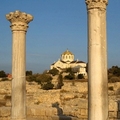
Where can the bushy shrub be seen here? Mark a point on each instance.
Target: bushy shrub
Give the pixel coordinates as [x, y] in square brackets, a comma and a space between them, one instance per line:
[110, 76]
[80, 76]
[115, 70]
[47, 86]
[5, 79]
[114, 79]
[28, 73]
[54, 71]
[2, 74]
[60, 81]
[43, 79]
[31, 78]
[70, 76]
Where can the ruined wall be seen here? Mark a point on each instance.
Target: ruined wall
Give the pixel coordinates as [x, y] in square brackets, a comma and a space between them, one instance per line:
[70, 101]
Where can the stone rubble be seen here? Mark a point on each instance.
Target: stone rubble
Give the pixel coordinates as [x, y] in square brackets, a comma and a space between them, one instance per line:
[70, 102]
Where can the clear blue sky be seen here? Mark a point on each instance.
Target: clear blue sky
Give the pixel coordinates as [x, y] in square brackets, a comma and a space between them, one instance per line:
[58, 25]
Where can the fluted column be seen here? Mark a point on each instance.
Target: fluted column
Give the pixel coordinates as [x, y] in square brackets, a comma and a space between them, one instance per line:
[19, 24]
[97, 60]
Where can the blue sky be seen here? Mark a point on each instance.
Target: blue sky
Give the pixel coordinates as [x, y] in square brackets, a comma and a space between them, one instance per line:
[58, 25]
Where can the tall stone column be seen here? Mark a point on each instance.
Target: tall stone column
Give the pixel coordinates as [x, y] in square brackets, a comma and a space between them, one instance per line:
[97, 60]
[19, 24]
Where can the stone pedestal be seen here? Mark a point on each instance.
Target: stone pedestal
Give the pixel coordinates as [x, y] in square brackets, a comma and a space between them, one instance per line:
[19, 24]
[97, 60]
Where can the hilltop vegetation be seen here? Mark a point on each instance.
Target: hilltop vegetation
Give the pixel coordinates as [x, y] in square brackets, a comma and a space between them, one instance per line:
[114, 74]
[45, 79]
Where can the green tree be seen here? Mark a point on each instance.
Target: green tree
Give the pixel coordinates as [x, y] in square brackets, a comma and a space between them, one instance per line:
[32, 78]
[87, 67]
[80, 76]
[54, 71]
[69, 70]
[70, 75]
[47, 86]
[2, 74]
[114, 70]
[60, 81]
[28, 73]
[45, 81]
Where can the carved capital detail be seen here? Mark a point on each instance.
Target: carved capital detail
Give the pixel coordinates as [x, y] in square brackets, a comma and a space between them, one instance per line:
[100, 4]
[19, 20]
[19, 26]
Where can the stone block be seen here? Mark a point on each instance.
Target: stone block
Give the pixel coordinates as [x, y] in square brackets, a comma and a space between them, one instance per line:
[40, 111]
[77, 113]
[110, 92]
[113, 105]
[54, 111]
[112, 114]
[82, 117]
[2, 97]
[118, 115]
[83, 103]
[8, 103]
[84, 112]
[83, 87]
[29, 112]
[5, 111]
[49, 112]
[36, 111]
[4, 118]
[116, 86]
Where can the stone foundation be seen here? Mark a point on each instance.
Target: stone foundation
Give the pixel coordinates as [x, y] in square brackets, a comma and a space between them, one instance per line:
[68, 103]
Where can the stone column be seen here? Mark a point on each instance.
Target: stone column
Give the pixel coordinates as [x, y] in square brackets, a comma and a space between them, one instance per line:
[19, 24]
[97, 60]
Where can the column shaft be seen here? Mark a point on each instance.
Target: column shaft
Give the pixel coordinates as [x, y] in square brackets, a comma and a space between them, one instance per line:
[97, 60]
[97, 67]
[19, 24]
[18, 74]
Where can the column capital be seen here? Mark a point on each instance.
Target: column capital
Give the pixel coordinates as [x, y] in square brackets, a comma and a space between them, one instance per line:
[100, 4]
[19, 20]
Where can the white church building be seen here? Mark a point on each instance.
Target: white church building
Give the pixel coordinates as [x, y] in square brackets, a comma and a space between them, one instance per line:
[67, 61]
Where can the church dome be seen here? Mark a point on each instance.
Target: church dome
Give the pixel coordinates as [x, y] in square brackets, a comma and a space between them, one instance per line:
[67, 56]
[67, 52]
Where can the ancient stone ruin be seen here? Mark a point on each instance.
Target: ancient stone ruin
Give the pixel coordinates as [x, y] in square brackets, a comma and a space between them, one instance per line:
[68, 103]
[19, 24]
[73, 102]
[97, 60]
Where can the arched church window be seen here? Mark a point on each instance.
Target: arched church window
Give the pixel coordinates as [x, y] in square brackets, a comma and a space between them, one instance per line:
[72, 57]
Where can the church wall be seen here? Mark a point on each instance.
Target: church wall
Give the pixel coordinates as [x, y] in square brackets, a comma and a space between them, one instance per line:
[66, 58]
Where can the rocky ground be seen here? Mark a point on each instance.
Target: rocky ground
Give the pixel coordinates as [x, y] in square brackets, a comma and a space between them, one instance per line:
[70, 101]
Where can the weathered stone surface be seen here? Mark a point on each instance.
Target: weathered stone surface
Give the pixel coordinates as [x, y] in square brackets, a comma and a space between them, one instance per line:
[84, 112]
[113, 105]
[80, 87]
[5, 111]
[112, 114]
[38, 110]
[99, 4]
[97, 60]
[58, 102]
[19, 24]
[19, 20]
